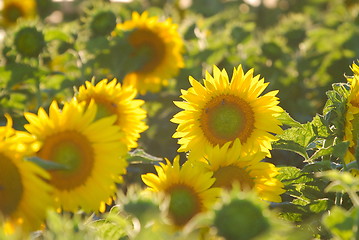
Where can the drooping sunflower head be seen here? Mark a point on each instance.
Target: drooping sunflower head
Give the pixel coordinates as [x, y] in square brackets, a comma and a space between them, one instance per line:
[188, 188]
[89, 151]
[163, 47]
[113, 99]
[15, 9]
[20, 181]
[352, 115]
[224, 110]
[230, 168]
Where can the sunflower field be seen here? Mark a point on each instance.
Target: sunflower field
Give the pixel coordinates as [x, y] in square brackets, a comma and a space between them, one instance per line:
[179, 119]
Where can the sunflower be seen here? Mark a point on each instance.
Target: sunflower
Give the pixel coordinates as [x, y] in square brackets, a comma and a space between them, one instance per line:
[112, 99]
[230, 167]
[15, 9]
[164, 45]
[20, 181]
[188, 188]
[89, 151]
[222, 111]
[355, 69]
[351, 132]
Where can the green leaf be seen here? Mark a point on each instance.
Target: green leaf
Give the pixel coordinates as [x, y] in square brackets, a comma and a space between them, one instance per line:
[345, 178]
[319, 127]
[113, 226]
[47, 165]
[286, 119]
[296, 139]
[335, 108]
[19, 72]
[318, 166]
[342, 224]
[337, 150]
[293, 175]
[289, 145]
[140, 156]
[320, 205]
[340, 149]
[56, 34]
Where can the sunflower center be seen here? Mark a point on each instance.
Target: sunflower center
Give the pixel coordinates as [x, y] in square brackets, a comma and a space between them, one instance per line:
[74, 151]
[11, 188]
[226, 118]
[184, 204]
[149, 46]
[228, 175]
[13, 12]
[105, 108]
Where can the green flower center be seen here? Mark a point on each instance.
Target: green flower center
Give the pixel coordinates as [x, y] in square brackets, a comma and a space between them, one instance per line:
[149, 49]
[74, 151]
[11, 187]
[105, 108]
[184, 204]
[227, 176]
[226, 118]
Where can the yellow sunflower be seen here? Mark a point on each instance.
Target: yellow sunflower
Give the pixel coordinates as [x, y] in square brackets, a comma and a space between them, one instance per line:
[20, 181]
[164, 45]
[15, 9]
[88, 149]
[112, 99]
[229, 167]
[223, 110]
[188, 188]
[355, 69]
[351, 133]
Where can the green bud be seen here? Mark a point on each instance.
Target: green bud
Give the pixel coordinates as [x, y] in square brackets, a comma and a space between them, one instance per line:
[143, 209]
[103, 23]
[240, 219]
[183, 205]
[29, 42]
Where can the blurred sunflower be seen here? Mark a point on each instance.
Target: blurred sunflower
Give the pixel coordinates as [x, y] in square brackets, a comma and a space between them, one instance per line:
[20, 181]
[222, 111]
[188, 189]
[15, 9]
[89, 151]
[112, 99]
[163, 46]
[355, 69]
[351, 132]
[229, 167]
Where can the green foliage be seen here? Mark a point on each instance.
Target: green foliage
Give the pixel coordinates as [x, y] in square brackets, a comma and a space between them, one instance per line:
[342, 224]
[67, 226]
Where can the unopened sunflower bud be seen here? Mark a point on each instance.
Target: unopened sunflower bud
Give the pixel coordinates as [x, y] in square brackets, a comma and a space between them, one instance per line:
[29, 42]
[240, 219]
[103, 23]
